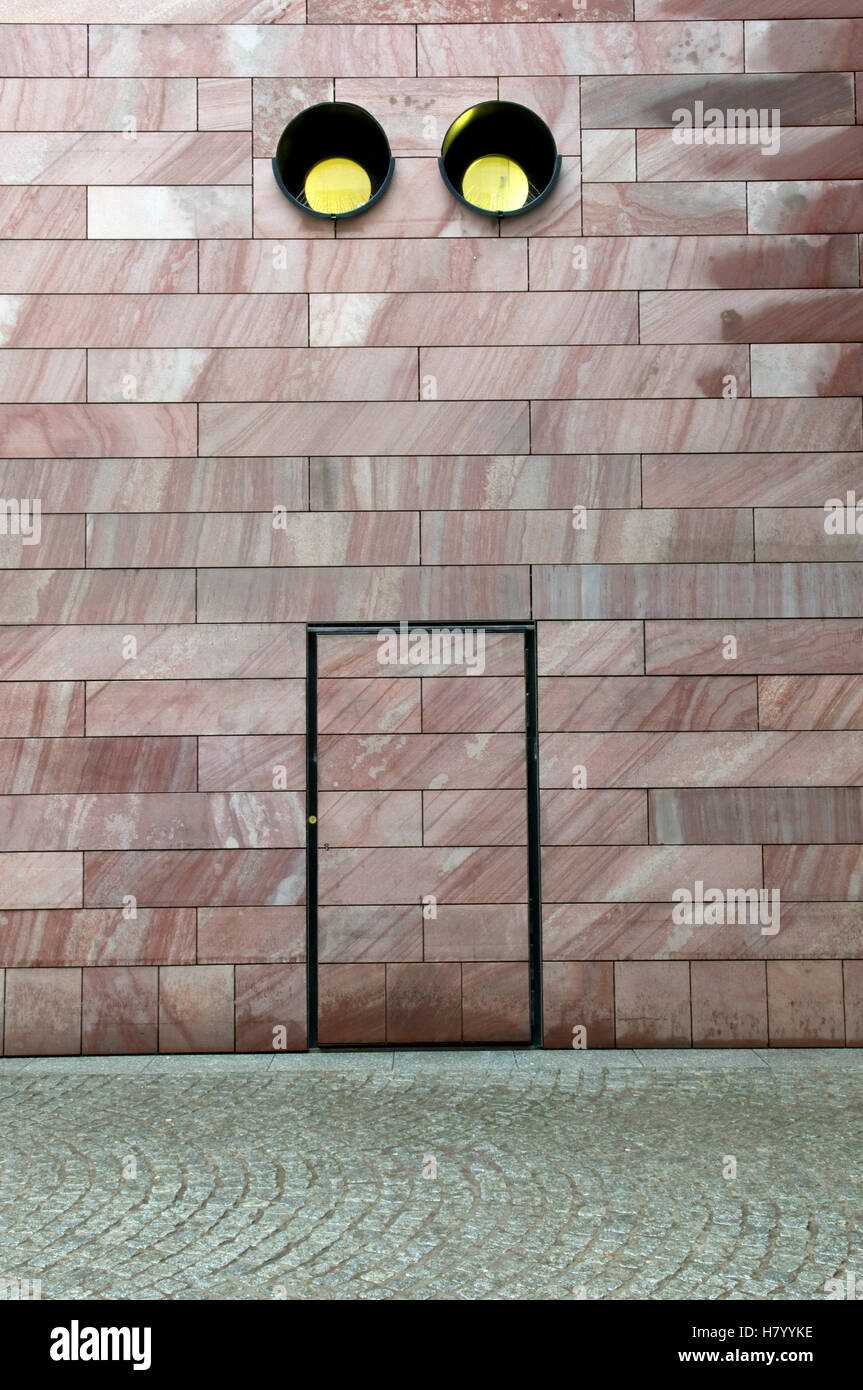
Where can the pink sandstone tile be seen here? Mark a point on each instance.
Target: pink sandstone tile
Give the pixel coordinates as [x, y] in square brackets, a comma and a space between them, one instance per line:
[42, 212]
[476, 319]
[758, 815]
[271, 1008]
[764, 646]
[169, 211]
[60, 543]
[416, 112]
[171, 12]
[465, 704]
[248, 762]
[346, 656]
[462, 11]
[729, 1004]
[403, 762]
[807, 369]
[651, 1004]
[251, 935]
[223, 374]
[370, 818]
[581, 703]
[120, 1010]
[562, 49]
[196, 1008]
[695, 591]
[79, 267]
[423, 1003]
[224, 103]
[86, 596]
[352, 1005]
[368, 705]
[250, 50]
[692, 262]
[611, 537]
[832, 152]
[815, 205]
[34, 431]
[43, 50]
[191, 878]
[153, 157]
[451, 875]
[364, 934]
[487, 932]
[576, 995]
[752, 316]
[414, 264]
[608, 156]
[159, 485]
[495, 1002]
[656, 209]
[42, 376]
[497, 817]
[638, 873]
[502, 373]
[804, 98]
[96, 765]
[805, 1003]
[40, 880]
[747, 480]
[99, 104]
[741, 9]
[43, 1013]
[146, 321]
[363, 427]
[697, 426]
[645, 931]
[828, 873]
[429, 593]
[199, 707]
[250, 538]
[93, 937]
[590, 817]
[795, 533]
[852, 973]
[599, 649]
[164, 652]
[493, 482]
[275, 103]
[810, 702]
[43, 709]
[804, 45]
[766, 759]
[180, 821]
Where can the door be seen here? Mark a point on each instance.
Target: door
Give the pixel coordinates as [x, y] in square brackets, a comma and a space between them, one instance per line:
[422, 921]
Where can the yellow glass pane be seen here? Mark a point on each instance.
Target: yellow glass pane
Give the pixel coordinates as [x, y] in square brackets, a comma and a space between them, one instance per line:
[495, 183]
[337, 185]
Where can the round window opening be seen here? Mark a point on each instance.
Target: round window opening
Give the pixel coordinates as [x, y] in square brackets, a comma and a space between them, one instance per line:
[333, 160]
[499, 158]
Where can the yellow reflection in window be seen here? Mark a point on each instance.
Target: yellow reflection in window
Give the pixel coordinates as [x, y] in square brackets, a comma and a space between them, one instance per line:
[337, 185]
[495, 183]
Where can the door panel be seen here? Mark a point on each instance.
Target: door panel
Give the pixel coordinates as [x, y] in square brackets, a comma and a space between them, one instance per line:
[423, 923]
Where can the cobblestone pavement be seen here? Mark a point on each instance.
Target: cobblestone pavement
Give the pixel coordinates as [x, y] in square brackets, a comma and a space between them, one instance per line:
[558, 1175]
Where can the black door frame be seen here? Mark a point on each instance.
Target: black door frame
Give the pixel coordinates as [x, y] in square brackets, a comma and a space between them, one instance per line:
[313, 631]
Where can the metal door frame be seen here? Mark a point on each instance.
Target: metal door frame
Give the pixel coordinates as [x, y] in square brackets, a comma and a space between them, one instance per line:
[534, 892]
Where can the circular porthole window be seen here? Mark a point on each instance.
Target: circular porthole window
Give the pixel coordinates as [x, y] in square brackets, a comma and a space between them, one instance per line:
[499, 158]
[333, 160]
